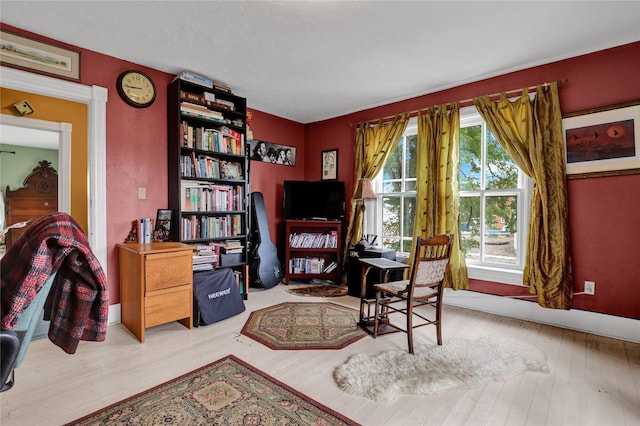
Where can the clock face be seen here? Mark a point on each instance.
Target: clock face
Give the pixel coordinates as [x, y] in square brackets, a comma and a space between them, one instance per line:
[136, 89]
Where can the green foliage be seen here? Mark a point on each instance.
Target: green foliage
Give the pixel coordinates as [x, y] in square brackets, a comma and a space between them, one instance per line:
[500, 173]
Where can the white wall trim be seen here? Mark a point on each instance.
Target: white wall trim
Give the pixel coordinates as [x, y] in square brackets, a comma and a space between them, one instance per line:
[115, 314]
[95, 98]
[589, 322]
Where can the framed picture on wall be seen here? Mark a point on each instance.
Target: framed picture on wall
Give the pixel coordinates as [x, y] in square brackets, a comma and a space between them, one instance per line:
[269, 152]
[603, 141]
[23, 52]
[330, 164]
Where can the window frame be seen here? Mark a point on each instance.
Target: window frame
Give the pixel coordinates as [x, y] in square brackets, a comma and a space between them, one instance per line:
[486, 271]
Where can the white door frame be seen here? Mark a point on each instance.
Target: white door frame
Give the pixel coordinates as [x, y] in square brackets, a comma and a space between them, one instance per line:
[95, 97]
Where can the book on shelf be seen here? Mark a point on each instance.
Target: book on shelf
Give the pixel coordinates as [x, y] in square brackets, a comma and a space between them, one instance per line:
[194, 78]
[208, 227]
[306, 265]
[229, 250]
[222, 139]
[200, 113]
[202, 267]
[222, 87]
[144, 230]
[330, 268]
[206, 256]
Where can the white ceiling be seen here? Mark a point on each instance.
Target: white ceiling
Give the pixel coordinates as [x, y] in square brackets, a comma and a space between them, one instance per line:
[313, 60]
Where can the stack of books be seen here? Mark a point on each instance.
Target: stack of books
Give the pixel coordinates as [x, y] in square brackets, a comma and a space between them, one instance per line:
[194, 78]
[195, 110]
[205, 257]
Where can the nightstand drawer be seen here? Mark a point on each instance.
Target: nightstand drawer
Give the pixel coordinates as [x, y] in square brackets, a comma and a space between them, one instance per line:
[165, 270]
[167, 305]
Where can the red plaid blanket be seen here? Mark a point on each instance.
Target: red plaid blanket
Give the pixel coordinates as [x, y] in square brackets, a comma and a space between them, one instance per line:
[79, 296]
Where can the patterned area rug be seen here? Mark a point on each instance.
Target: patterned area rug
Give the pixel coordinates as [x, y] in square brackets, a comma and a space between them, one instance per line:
[319, 290]
[304, 326]
[227, 391]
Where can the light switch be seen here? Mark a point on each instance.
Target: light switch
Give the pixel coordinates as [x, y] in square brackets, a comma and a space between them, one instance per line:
[142, 193]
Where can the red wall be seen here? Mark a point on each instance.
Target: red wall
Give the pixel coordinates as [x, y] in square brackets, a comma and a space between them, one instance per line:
[603, 211]
[268, 178]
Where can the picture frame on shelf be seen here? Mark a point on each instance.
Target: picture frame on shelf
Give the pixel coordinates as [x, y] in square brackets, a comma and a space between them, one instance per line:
[231, 170]
[602, 141]
[163, 225]
[32, 55]
[329, 164]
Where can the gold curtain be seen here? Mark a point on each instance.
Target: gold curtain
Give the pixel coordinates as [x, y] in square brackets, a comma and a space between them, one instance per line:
[437, 200]
[530, 131]
[374, 143]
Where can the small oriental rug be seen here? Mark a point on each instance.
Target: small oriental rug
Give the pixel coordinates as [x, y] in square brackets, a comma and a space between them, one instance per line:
[319, 290]
[228, 391]
[304, 326]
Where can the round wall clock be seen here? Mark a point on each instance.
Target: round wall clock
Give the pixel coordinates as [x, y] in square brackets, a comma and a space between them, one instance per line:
[136, 88]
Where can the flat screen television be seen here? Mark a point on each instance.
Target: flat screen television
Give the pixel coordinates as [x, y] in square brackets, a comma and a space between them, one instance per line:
[313, 199]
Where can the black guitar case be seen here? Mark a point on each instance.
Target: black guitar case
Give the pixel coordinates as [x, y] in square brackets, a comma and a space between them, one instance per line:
[265, 270]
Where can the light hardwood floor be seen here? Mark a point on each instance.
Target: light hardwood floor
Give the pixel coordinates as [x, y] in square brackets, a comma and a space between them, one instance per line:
[592, 381]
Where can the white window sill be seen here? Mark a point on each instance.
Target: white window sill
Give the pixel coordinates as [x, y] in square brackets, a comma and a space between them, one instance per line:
[498, 275]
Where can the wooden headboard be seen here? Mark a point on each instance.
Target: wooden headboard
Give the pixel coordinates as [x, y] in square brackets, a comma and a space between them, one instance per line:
[37, 198]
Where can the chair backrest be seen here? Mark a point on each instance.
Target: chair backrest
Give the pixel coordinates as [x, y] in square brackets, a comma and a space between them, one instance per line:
[431, 261]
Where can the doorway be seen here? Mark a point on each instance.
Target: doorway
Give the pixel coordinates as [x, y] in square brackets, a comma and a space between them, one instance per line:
[37, 134]
[95, 98]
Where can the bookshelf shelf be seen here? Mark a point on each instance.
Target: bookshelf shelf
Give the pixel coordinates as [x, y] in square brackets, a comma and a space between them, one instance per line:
[208, 172]
[313, 249]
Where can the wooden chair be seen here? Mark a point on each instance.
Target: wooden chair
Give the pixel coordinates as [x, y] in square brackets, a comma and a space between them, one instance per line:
[424, 288]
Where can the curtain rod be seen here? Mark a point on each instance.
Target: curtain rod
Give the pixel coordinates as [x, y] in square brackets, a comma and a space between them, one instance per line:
[465, 102]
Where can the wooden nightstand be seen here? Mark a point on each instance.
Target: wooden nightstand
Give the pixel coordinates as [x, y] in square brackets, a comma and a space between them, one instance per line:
[156, 285]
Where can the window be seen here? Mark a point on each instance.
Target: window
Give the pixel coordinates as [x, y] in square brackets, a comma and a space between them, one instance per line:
[397, 193]
[494, 201]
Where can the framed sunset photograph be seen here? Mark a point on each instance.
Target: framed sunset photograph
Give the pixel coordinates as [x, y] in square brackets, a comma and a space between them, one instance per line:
[604, 141]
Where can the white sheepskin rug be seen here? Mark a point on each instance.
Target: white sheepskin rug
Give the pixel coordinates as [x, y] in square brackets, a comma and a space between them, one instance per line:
[435, 369]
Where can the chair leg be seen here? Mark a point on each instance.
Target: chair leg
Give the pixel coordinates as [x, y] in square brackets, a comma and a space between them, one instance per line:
[439, 321]
[375, 314]
[410, 325]
[10, 381]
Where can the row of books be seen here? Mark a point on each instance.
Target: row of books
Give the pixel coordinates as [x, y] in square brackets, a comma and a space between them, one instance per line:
[201, 227]
[208, 99]
[144, 230]
[310, 265]
[205, 197]
[223, 140]
[313, 240]
[200, 111]
[204, 166]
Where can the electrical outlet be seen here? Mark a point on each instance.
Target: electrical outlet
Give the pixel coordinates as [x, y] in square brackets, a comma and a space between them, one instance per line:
[142, 193]
[590, 287]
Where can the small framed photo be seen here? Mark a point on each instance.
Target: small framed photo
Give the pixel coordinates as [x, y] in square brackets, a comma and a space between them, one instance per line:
[33, 55]
[330, 164]
[603, 141]
[163, 225]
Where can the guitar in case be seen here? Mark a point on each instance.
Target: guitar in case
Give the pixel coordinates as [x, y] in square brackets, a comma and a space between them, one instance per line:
[265, 270]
